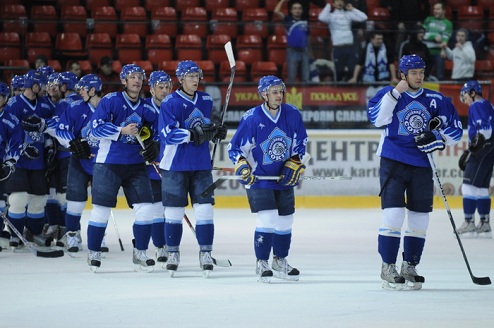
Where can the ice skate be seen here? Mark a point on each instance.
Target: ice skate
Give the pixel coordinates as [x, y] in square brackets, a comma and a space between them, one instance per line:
[484, 229]
[283, 270]
[14, 243]
[206, 263]
[74, 243]
[141, 261]
[51, 231]
[61, 237]
[4, 239]
[104, 248]
[391, 279]
[413, 281]
[39, 240]
[467, 229]
[263, 271]
[161, 255]
[173, 262]
[94, 260]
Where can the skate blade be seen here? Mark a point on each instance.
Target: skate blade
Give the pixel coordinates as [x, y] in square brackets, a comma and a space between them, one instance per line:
[391, 286]
[72, 254]
[280, 275]
[265, 280]
[103, 255]
[171, 273]
[93, 268]
[148, 269]
[206, 273]
[412, 285]
[485, 235]
[468, 235]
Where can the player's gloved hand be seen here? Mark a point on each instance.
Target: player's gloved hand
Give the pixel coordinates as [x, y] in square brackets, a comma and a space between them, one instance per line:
[30, 152]
[430, 141]
[221, 133]
[145, 133]
[33, 124]
[477, 143]
[243, 169]
[291, 171]
[462, 162]
[202, 133]
[8, 168]
[435, 123]
[80, 148]
[151, 150]
[50, 157]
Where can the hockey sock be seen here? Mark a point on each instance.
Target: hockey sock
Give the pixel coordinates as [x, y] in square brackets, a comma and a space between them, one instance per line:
[413, 248]
[35, 223]
[95, 237]
[18, 220]
[72, 222]
[263, 242]
[281, 244]
[469, 207]
[61, 215]
[205, 235]
[388, 247]
[484, 207]
[51, 211]
[142, 235]
[158, 232]
[173, 235]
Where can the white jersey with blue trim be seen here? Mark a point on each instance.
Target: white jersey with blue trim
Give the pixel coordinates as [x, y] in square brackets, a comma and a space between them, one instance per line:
[114, 112]
[178, 113]
[408, 117]
[268, 142]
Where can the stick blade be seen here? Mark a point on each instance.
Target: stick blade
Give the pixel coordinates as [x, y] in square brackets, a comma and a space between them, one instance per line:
[481, 281]
[49, 254]
[229, 54]
[209, 190]
[222, 263]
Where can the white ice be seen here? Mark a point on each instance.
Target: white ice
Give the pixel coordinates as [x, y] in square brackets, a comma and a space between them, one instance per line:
[335, 250]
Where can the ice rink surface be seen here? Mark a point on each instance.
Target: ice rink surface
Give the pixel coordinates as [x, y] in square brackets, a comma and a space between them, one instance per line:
[340, 286]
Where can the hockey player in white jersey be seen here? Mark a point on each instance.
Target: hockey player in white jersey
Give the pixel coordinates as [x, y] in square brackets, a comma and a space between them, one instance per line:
[416, 122]
[271, 141]
[185, 131]
[120, 162]
[160, 85]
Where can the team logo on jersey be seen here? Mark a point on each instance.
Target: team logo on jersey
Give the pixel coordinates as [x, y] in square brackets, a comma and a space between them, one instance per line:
[276, 147]
[413, 119]
[133, 118]
[86, 134]
[195, 118]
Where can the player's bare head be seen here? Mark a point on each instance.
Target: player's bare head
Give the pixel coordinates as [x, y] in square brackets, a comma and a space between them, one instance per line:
[189, 75]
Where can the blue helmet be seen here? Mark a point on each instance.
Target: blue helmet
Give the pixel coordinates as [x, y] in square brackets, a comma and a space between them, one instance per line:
[46, 70]
[34, 77]
[187, 66]
[17, 82]
[90, 81]
[269, 81]
[410, 62]
[4, 89]
[471, 85]
[159, 77]
[53, 78]
[67, 78]
[131, 68]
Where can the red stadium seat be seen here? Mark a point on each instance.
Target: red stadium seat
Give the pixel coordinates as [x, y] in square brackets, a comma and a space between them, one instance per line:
[105, 20]
[215, 47]
[44, 19]
[316, 27]
[164, 21]
[16, 67]
[471, 18]
[188, 46]
[255, 21]
[211, 5]
[129, 47]
[240, 71]
[381, 18]
[74, 19]
[158, 48]
[61, 3]
[262, 68]
[208, 70]
[271, 4]
[10, 46]
[169, 66]
[86, 67]
[134, 20]
[92, 4]
[181, 5]
[121, 4]
[484, 70]
[151, 5]
[69, 45]
[55, 64]
[13, 18]
[99, 45]
[145, 65]
[241, 5]
[276, 49]
[249, 48]
[38, 43]
[195, 21]
[225, 21]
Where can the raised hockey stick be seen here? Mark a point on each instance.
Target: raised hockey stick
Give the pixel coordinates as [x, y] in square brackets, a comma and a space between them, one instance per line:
[231, 60]
[476, 280]
[116, 230]
[32, 249]
[220, 263]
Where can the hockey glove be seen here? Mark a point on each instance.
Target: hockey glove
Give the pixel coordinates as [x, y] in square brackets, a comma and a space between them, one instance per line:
[221, 133]
[30, 152]
[202, 133]
[8, 168]
[243, 169]
[145, 133]
[430, 141]
[50, 157]
[33, 124]
[435, 124]
[151, 150]
[290, 173]
[477, 143]
[80, 148]
[462, 162]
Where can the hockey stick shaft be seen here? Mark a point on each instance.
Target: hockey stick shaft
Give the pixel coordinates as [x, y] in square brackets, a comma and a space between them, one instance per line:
[116, 230]
[476, 280]
[32, 249]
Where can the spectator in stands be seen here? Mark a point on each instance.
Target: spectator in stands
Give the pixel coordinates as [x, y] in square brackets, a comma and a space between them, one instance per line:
[41, 60]
[340, 21]
[438, 30]
[376, 63]
[110, 78]
[463, 56]
[297, 32]
[415, 46]
[73, 66]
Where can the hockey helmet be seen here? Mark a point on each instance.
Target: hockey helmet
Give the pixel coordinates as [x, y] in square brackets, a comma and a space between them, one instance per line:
[410, 62]
[46, 70]
[69, 79]
[17, 82]
[269, 81]
[188, 66]
[34, 77]
[53, 78]
[131, 68]
[159, 77]
[471, 85]
[90, 81]
[4, 89]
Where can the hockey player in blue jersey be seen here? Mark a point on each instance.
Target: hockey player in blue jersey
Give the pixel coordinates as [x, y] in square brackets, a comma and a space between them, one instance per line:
[271, 141]
[120, 162]
[477, 162]
[185, 131]
[160, 85]
[17, 85]
[416, 122]
[73, 133]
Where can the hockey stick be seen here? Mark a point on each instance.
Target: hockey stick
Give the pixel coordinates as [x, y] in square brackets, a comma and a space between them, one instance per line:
[116, 230]
[476, 280]
[231, 60]
[220, 263]
[32, 249]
